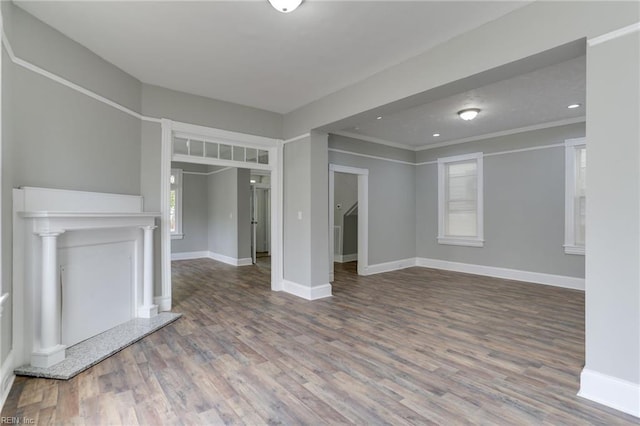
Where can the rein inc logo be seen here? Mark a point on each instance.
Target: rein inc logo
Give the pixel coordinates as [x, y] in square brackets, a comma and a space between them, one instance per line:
[17, 421]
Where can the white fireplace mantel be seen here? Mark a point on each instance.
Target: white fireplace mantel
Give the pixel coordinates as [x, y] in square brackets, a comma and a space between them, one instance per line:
[73, 245]
[48, 226]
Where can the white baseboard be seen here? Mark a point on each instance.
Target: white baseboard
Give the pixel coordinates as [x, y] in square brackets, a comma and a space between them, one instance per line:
[389, 266]
[247, 261]
[163, 302]
[211, 255]
[190, 255]
[308, 293]
[6, 378]
[509, 274]
[229, 260]
[343, 258]
[610, 391]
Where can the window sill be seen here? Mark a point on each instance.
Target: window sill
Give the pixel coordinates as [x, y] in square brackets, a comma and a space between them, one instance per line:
[571, 249]
[177, 236]
[468, 242]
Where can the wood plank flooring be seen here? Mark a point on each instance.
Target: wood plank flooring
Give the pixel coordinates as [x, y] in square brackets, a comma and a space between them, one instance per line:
[416, 346]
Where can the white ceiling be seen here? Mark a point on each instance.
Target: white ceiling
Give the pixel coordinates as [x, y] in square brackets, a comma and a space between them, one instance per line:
[244, 51]
[529, 99]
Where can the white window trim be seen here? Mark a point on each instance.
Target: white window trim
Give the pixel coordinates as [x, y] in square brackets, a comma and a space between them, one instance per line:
[570, 246]
[477, 241]
[177, 234]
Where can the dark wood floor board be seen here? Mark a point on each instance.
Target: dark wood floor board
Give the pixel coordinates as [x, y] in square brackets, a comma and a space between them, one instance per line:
[416, 346]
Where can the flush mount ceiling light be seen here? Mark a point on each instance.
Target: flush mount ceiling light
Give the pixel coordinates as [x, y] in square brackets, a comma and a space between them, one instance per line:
[468, 113]
[285, 6]
[572, 106]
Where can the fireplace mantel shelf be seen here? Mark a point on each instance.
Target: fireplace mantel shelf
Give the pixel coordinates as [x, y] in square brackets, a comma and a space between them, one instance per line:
[48, 221]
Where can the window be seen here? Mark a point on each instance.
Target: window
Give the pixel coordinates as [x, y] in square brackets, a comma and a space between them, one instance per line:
[575, 195]
[175, 204]
[460, 200]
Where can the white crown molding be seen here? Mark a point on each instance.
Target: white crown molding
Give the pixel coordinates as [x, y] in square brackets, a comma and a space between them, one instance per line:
[614, 34]
[297, 138]
[374, 157]
[508, 132]
[611, 391]
[372, 139]
[425, 147]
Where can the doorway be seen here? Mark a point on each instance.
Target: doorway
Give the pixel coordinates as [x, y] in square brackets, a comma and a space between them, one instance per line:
[358, 209]
[188, 143]
[260, 218]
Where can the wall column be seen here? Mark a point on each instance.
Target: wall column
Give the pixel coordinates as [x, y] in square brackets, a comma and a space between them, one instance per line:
[51, 351]
[611, 375]
[148, 309]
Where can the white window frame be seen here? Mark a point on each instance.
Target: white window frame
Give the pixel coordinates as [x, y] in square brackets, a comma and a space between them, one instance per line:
[177, 234]
[478, 240]
[571, 146]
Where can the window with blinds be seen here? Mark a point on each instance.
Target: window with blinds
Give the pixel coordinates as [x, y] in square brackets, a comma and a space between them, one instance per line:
[460, 200]
[575, 195]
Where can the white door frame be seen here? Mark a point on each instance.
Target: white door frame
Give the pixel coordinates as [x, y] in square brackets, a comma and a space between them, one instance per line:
[363, 215]
[275, 166]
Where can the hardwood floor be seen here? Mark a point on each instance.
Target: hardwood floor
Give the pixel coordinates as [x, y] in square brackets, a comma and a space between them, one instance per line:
[416, 346]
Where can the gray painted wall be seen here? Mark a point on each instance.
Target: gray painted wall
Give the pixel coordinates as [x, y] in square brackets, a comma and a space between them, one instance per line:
[392, 203]
[40, 44]
[350, 234]
[6, 331]
[296, 200]
[346, 195]
[612, 340]
[223, 213]
[523, 205]
[244, 213]
[195, 209]
[229, 218]
[306, 213]
[319, 209]
[55, 137]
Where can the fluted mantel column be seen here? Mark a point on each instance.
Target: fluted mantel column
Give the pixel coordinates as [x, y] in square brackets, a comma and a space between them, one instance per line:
[148, 309]
[51, 351]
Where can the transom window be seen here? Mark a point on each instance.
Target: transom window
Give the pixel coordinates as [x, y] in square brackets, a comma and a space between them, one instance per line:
[186, 145]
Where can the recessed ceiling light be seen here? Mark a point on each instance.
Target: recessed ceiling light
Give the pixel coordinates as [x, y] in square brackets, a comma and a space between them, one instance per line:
[435, 135]
[379, 118]
[468, 113]
[252, 181]
[572, 106]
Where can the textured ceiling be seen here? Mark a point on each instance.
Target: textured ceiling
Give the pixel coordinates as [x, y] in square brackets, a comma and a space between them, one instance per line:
[530, 99]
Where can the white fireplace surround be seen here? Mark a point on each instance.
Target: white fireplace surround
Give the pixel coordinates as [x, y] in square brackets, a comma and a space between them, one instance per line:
[53, 224]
